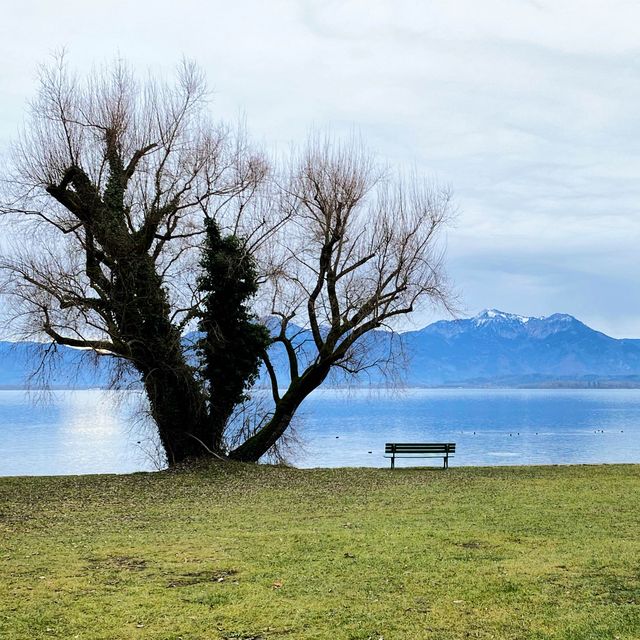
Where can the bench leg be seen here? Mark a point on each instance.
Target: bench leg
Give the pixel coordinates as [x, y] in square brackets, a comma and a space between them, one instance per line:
[446, 462]
[393, 462]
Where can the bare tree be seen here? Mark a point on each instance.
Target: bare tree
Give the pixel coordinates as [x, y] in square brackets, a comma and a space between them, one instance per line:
[358, 251]
[113, 188]
[111, 182]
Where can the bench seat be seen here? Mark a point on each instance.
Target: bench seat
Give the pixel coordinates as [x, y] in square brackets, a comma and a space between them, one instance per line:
[442, 450]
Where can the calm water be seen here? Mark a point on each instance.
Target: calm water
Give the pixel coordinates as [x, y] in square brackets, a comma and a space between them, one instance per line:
[91, 432]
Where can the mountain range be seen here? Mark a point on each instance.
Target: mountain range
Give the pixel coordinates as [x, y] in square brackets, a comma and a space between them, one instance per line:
[492, 349]
[496, 348]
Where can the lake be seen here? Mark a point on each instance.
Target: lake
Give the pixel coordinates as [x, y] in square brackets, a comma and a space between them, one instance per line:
[93, 431]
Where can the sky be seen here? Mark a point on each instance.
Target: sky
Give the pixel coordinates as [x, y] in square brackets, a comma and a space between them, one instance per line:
[529, 110]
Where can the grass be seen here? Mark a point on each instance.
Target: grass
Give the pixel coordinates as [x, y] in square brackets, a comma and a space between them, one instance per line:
[249, 552]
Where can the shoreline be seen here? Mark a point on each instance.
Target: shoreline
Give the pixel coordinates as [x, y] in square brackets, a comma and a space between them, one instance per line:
[229, 465]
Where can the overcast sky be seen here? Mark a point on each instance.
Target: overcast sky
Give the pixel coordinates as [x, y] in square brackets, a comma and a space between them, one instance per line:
[529, 110]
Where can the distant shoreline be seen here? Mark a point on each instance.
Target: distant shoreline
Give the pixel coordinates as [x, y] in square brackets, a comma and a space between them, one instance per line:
[604, 385]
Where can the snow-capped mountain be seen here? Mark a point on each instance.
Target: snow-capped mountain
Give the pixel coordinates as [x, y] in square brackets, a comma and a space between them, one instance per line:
[506, 325]
[495, 347]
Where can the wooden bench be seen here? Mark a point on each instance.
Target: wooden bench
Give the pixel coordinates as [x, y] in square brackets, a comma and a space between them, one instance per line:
[395, 450]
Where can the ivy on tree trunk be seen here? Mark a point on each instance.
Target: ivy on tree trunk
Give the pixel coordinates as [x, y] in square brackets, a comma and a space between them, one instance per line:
[233, 340]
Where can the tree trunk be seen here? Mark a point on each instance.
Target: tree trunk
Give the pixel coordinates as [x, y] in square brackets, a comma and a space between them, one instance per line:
[179, 411]
[176, 398]
[257, 445]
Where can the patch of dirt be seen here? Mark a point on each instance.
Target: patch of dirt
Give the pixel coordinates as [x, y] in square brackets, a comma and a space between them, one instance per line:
[125, 563]
[472, 544]
[202, 577]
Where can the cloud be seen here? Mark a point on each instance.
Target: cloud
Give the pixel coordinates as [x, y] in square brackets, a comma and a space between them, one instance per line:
[527, 109]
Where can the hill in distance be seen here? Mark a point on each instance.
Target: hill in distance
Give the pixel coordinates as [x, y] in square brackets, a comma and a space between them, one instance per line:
[492, 349]
[496, 348]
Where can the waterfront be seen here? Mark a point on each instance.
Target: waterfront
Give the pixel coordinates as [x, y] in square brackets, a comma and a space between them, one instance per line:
[94, 431]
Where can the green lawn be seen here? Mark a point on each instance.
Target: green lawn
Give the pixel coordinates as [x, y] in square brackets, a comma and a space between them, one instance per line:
[269, 552]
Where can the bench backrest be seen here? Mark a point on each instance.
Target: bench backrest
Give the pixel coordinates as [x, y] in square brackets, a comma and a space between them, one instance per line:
[420, 447]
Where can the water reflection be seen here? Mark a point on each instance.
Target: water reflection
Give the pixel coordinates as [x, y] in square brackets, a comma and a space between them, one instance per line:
[74, 432]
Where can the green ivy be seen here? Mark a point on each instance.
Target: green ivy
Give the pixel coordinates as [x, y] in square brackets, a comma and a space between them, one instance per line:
[233, 340]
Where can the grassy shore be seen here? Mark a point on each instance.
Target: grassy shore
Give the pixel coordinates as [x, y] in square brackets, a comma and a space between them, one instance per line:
[250, 552]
